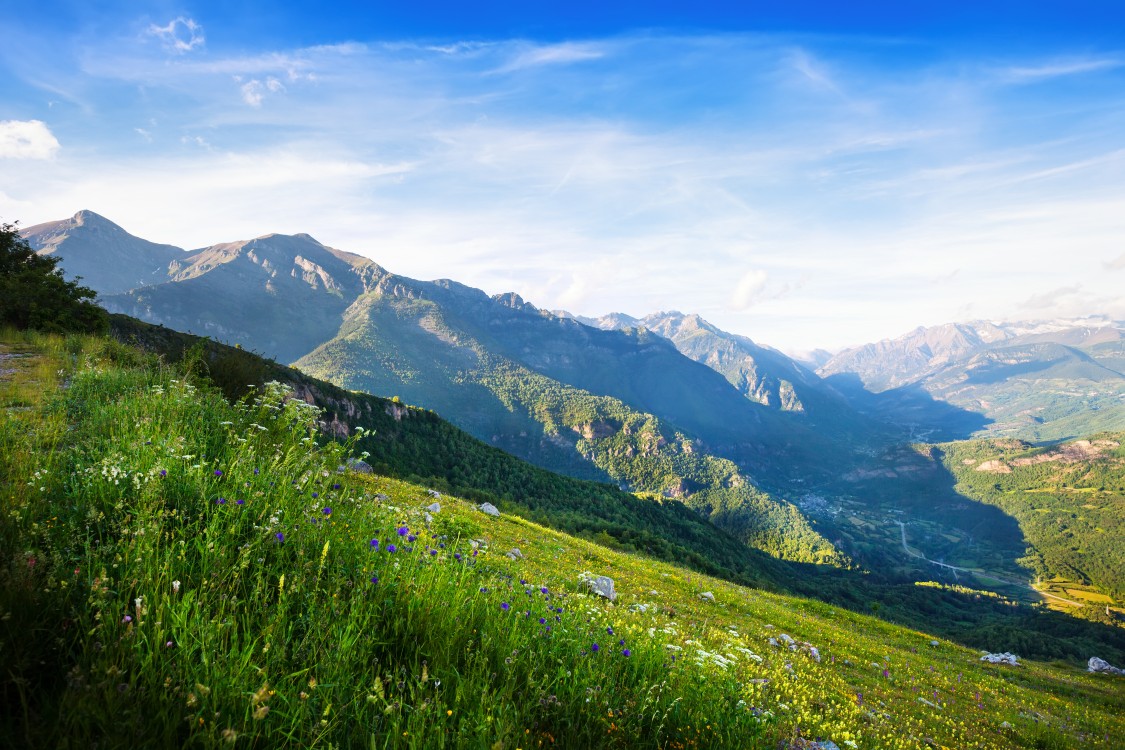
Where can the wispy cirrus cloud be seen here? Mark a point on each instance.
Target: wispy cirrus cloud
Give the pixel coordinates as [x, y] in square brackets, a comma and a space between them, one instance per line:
[564, 53]
[639, 182]
[1059, 68]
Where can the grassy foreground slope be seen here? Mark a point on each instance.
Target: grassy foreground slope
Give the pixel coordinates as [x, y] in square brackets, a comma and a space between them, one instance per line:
[183, 572]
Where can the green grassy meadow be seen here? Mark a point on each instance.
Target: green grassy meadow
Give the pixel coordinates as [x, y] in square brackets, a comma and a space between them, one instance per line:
[180, 571]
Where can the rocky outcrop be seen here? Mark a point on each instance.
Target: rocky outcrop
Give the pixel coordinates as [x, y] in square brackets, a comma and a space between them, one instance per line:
[1102, 666]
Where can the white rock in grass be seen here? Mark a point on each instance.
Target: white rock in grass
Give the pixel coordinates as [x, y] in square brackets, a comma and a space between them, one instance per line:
[434, 508]
[707, 595]
[1004, 658]
[361, 467]
[1101, 665]
[489, 509]
[600, 585]
[514, 554]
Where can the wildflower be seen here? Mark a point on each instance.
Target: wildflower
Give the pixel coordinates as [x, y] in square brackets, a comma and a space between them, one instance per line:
[433, 552]
[402, 531]
[411, 538]
[316, 495]
[240, 501]
[327, 511]
[542, 621]
[621, 642]
[626, 652]
[457, 556]
[176, 586]
[391, 548]
[163, 472]
[609, 630]
[169, 644]
[218, 472]
[221, 501]
[504, 606]
[255, 471]
[279, 537]
[126, 618]
[335, 486]
[374, 544]
[543, 590]
[261, 712]
[374, 579]
[595, 648]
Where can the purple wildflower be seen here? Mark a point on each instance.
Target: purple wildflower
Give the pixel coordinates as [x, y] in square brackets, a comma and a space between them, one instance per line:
[126, 618]
[255, 471]
[391, 548]
[433, 552]
[411, 538]
[221, 501]
[327, 511]
[240, 501]
[374, 579]
[402, 531]
[457, 556]
[542, 621]
[218, 472]
[335, 486]
[543, 590]
[374, 544]
[609, 630]
[316, 494]
[279, 536]
[163, 472]
[504, 606]
[595, 648]
[626, 652]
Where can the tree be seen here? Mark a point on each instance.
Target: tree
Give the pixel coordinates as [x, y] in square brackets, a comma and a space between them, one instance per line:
[34, 293]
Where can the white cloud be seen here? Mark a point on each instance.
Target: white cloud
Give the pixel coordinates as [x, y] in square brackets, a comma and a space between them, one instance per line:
[27, 139]
[1051, 299]
[1028, 74]
[1117, 264]
[564, 53]
[254, 91]
[749, 288]
[180, 35]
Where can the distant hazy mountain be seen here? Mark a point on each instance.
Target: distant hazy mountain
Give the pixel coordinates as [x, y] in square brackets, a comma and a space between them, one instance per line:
[760, 373]
[1039, 380]
[105, 256]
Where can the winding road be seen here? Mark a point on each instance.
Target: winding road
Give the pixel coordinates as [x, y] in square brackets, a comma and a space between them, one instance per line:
[955, 569]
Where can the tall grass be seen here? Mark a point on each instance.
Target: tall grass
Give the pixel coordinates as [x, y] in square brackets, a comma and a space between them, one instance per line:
[180, 571]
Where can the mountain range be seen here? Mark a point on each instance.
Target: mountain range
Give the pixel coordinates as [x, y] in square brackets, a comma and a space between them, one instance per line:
[667, 405]
[1045, 380]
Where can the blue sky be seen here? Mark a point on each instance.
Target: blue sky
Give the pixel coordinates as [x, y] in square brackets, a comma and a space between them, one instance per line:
[807, 174]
